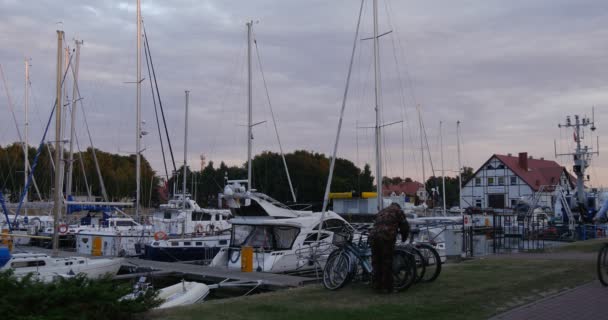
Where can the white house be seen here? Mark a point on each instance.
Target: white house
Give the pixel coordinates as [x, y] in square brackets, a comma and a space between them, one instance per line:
[502, 180]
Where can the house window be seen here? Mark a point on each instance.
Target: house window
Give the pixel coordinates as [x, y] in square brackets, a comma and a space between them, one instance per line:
[491, 181]
[477, 181]
[513, 181]
[478, 203]
[500, 166]
[513, 203]
[501, 181]
[489, 167]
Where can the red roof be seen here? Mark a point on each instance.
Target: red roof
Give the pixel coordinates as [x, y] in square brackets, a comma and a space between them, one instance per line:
[409, 188]
[540, 172]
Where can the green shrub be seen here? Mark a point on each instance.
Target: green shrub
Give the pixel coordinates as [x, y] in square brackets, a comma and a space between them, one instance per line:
[69, 298]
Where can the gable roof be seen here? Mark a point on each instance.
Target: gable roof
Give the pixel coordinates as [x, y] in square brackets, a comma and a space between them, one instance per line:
[409, 188]
[540, 172]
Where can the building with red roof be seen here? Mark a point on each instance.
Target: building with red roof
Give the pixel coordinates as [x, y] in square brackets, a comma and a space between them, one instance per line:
[504, 179]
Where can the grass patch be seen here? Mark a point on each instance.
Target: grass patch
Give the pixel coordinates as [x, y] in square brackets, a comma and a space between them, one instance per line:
[592, 245]
[469, 290]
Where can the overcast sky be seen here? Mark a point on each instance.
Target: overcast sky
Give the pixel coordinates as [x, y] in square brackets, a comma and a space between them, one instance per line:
[510, 71]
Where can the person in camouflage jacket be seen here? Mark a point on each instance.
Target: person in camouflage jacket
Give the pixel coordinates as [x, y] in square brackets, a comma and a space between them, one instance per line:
[383, 236]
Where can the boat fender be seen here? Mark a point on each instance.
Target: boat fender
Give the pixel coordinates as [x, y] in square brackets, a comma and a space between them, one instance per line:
[159, 235]
[63, 228]
[199, 228]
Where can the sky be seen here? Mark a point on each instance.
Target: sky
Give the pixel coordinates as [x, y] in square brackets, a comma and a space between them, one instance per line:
[509, 71]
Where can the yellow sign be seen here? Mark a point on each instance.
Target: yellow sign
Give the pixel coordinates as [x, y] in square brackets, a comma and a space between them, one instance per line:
[247, 259]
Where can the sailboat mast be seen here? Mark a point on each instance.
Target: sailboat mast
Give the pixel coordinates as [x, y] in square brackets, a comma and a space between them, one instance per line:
[442, 167]
[57, 194]
[459, 164]
[185, 152]
[26, 162]
[378, 111]
[249, 105]
[73, 121]
[422, 150]
[138, 120]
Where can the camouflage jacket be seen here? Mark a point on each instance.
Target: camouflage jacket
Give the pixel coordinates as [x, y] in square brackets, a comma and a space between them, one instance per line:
[387, 222]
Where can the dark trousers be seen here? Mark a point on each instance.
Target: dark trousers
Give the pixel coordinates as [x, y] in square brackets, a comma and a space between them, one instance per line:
[382, 263]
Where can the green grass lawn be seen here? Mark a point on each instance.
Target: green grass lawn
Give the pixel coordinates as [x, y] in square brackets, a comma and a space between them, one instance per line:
[469, 290]
[593, 245]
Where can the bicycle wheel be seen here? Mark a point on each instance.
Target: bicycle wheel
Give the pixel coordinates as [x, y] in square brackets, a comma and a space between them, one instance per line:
[602, 265]
[432, 262]
[420, 261]
[337, 270]
[404, 269]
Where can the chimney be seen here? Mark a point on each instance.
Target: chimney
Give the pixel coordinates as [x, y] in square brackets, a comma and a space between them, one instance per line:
[523, 160]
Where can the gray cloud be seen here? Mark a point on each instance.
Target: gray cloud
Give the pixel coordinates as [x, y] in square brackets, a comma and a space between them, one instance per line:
[510, 71]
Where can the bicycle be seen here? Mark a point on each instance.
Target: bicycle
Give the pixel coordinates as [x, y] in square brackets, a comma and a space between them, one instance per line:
[602, 264]
[427, 258]
[352, 259]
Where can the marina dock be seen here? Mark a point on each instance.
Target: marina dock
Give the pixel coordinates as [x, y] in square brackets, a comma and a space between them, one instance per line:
[198, 272]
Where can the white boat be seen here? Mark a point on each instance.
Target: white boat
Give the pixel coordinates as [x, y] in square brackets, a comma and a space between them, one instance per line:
[47, 268]
[187, 249]
[115, 237]
[283, 240]
[179, 217]
[182, 294]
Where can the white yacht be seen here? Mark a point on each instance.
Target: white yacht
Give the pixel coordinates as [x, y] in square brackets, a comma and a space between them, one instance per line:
[112, 237]
[47, 268]
[283, 240]
[181, 217]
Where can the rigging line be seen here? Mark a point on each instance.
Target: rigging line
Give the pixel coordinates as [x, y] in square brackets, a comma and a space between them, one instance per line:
[160, 136]
[10, 106]
[39, 151]
[428, 149]
[162, 112]
[274, 122]
[398, 67]
[86, 124]
[344, 99]
[84, 172]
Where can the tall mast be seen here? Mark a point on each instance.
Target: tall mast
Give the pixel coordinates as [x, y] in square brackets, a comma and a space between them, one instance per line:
[378, 128]
[57, 195]
[138, 118]
[442, 168]
[422, 150]
[26, 163]
[459, 164]
[73, 121]
[249, 105]
[582, 154]
[185, 152]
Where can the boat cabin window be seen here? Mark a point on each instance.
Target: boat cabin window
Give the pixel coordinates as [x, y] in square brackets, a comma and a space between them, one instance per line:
[312, 237]
[254, 209]
[167, 215]
[332, 225]
[187, 243]
[201, 216]
[264, 236]
[174, 243]
[25, 264]
[124, 223]
[198, 243]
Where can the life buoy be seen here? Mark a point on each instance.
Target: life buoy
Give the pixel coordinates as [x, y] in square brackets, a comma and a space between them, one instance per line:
[199, 228]
[63, 228]
[159, 235]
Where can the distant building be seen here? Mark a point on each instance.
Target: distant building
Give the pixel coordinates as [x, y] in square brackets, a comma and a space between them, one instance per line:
[409, 189]
[503, 180]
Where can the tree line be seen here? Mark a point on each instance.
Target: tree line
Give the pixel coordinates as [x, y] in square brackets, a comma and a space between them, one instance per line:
[308, 171]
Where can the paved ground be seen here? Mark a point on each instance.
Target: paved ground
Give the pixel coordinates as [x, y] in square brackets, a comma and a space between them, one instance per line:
[585, 302]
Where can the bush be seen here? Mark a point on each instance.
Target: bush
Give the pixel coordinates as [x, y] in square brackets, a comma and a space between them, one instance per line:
[69, 298]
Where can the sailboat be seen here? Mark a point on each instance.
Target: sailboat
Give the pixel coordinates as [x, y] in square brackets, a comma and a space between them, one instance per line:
[46, 267]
